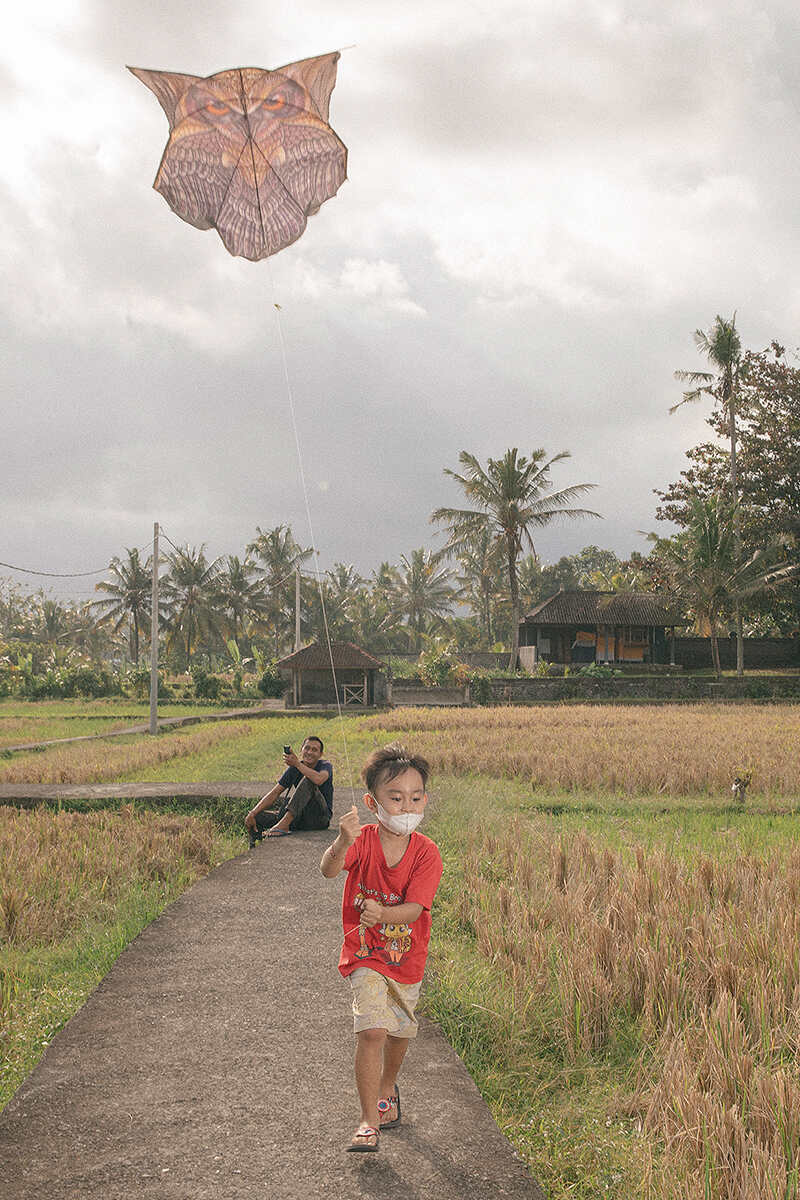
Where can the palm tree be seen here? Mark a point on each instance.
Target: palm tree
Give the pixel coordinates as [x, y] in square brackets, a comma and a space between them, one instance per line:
[128, 598]
[706, 571]
[373, 620]
[242, 596]
[422, 592]
[511, 494]
[481, 578]
[277, 554]
[342, 584]
[722, 346]
[190, 593]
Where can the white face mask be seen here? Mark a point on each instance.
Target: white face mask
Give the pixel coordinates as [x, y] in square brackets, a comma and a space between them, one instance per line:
[400, 823]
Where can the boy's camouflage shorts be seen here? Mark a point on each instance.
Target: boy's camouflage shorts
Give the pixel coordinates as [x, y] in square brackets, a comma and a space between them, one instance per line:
[382, 1003]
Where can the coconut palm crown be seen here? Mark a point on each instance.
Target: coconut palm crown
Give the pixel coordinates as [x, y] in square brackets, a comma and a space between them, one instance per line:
[511, 496]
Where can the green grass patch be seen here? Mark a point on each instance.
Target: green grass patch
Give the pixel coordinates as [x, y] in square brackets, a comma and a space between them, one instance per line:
[258, 754]
[688, 825]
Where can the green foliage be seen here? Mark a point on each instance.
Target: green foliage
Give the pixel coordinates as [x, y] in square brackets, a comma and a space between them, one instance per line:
[480, 688]
[206, 687]
[69, 681]
[438, 664]
[136, 683]
[597, 670]
[271, 683]
[404, 668]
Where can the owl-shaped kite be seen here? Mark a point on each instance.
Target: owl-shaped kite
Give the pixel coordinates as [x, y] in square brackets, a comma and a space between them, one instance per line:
[250, 152]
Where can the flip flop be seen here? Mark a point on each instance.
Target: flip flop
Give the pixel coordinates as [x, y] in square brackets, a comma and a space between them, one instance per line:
[278, 833]
[360, 1143]
[386, 1106]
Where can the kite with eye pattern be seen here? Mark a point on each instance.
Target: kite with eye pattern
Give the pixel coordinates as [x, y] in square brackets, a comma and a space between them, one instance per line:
[250, 152]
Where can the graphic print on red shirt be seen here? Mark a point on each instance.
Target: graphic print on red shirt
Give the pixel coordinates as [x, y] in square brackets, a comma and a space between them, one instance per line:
[394, 949]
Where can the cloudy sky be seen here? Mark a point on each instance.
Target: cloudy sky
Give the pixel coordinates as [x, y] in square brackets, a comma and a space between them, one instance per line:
[544, 201]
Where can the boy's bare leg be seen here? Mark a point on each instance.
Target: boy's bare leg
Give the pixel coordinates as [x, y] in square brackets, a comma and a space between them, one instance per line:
[394, 1051]
[369, 1059]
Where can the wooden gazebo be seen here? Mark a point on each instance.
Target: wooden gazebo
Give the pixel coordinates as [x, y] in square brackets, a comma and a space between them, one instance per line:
[312, 680]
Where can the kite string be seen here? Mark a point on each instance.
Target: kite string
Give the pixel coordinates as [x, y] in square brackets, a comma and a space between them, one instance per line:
[292, 410]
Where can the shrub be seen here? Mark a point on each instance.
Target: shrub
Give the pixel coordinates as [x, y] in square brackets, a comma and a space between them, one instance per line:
[597, 670]
[438, 665]
[271, 682]
[89, 681]
[480, 688]
[758, 689]
[206, 687]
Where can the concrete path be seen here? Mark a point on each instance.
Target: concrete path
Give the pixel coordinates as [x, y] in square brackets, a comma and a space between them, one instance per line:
[27, 795]
[215, 1060]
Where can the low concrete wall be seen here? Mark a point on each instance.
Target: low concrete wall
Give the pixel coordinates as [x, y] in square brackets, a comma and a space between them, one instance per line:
[421, 696]
[671, 687]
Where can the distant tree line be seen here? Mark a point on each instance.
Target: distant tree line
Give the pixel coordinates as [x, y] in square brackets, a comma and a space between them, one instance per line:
[734, 557]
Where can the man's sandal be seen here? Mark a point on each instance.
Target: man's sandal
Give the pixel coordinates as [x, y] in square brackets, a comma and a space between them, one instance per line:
[271, 833]
[388, 1107]
[365, 1140]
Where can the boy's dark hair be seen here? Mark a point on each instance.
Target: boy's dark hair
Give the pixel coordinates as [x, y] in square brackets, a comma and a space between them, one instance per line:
[390, 761]
[312, 737]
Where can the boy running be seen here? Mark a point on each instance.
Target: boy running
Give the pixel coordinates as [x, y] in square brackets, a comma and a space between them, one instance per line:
[393, 874]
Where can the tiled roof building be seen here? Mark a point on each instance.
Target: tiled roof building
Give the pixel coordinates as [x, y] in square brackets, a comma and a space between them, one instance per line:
[593, 626]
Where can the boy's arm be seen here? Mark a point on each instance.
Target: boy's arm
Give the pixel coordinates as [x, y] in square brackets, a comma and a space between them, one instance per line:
[374, 913]
[332, 860]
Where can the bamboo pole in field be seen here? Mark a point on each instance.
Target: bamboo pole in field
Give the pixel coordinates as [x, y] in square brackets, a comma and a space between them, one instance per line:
[154, 638]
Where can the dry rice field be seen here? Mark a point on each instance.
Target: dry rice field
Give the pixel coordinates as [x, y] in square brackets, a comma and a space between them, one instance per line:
[701, 958]
[672, 749]
[95, 761]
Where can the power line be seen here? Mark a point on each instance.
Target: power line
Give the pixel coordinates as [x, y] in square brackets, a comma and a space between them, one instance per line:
[54, 574]
[65, 574]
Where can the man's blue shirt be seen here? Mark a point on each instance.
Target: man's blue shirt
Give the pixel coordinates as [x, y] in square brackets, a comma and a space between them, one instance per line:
[292, 776]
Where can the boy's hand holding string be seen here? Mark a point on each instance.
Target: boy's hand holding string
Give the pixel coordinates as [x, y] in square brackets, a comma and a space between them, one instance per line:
[333, 859]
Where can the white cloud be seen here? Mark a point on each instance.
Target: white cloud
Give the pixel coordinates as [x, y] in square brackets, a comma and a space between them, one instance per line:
[381, 281]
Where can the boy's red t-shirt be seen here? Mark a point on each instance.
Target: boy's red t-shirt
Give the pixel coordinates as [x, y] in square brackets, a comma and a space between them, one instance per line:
[398, 951]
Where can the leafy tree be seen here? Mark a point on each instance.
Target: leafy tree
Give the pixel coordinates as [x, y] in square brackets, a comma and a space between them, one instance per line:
[592, 563]
[511, 496]
[191, 597]
[128, 598]
[706, 571]
[422, 593]
[768, 473]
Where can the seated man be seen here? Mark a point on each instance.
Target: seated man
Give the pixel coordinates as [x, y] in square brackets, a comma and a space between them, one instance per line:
[309, 805]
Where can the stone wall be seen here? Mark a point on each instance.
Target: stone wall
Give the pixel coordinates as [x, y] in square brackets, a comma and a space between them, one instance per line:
[416, 696]
[671, 687]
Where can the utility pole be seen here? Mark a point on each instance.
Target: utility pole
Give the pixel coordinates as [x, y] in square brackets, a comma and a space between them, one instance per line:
[296, 608]
[154, 638]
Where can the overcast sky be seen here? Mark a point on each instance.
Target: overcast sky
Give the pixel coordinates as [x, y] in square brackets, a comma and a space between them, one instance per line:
[544, 201]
